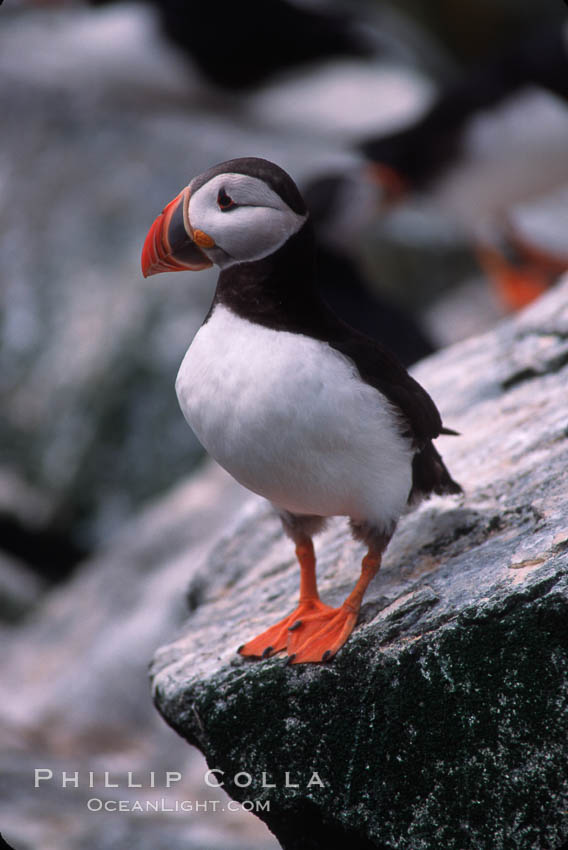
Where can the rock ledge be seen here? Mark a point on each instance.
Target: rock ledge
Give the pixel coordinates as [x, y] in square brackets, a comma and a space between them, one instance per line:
[444, 720]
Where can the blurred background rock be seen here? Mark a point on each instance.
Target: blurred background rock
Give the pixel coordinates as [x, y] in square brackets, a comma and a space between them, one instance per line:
[104, 117]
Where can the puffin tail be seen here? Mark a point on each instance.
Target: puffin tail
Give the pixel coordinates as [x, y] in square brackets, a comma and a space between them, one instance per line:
[430, 475]
[450, 431]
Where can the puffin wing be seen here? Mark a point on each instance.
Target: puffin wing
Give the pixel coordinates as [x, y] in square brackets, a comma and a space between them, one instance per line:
[382, 370]
[420, 417]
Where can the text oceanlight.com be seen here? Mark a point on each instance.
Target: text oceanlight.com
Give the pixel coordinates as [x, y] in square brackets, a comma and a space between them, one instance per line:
[95, 804]
[132, 785]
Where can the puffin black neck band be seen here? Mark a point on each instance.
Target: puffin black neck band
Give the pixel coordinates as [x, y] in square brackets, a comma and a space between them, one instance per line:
[278, 291]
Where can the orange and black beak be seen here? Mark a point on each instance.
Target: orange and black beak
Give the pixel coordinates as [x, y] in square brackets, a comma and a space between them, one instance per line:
[171, 245]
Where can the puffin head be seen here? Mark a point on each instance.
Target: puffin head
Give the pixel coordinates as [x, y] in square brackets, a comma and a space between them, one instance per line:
[238, 211]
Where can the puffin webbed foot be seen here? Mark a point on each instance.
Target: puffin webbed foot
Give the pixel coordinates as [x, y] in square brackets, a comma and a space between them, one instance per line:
[278, 637]
[314, 631]
[321, 634]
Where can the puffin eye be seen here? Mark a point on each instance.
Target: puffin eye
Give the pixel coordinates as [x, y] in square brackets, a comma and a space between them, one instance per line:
[225, 201]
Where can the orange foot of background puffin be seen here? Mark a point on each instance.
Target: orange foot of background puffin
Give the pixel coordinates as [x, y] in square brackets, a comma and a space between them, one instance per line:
[519, 270]
[314, 631]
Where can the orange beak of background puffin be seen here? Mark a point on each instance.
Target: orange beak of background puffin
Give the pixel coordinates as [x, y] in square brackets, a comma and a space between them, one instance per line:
[171, 245]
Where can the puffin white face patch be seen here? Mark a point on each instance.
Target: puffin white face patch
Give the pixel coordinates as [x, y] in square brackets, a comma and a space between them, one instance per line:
[246, 219]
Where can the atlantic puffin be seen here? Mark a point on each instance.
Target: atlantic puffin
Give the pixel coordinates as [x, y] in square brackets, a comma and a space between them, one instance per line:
[415, 157]
[256, 39]
[493, 138]
[296, 405]
[525, 252]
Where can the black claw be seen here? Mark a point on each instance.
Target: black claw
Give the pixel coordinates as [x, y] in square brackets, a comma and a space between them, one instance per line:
[327, 655]
[290, 658]
[266, 652]
[241, 647]
[295, 626]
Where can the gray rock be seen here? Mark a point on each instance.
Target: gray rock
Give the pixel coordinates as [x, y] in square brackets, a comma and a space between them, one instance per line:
[89, 350]
[443, 721]
[20, 589]
[74, 694]
[109, 618]
[22, 507]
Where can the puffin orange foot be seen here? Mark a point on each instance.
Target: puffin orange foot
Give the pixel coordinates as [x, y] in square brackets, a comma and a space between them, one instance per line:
[277, 637]
[321, 634]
